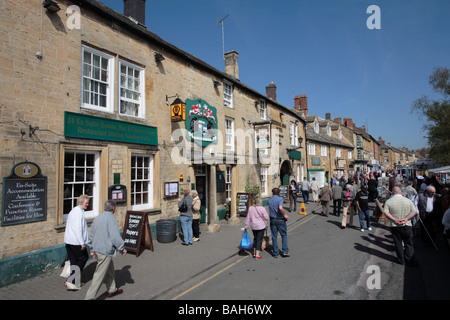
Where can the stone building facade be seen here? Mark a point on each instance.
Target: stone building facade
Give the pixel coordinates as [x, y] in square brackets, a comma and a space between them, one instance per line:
[87, 95]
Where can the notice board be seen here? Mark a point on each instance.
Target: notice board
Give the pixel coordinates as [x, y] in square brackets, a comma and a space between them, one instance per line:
[136, 232]
[24, 195]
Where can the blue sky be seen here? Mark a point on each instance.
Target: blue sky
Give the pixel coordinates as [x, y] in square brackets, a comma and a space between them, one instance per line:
[324, 49]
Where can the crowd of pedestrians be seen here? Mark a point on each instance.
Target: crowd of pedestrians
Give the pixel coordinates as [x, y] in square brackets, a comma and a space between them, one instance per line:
[414, 207]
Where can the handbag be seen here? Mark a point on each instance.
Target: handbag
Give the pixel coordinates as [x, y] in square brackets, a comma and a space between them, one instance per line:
[246, 241]
[183, 207]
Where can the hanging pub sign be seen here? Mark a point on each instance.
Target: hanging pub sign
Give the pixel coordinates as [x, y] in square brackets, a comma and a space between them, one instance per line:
[24, 195]
[178, 110]
[201, 123]
[262, 136]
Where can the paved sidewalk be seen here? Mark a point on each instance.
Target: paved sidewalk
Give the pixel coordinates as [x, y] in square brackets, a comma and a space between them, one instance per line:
[148, 275]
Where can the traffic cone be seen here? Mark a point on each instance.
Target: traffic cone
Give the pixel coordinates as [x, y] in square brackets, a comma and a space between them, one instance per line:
[302, 209]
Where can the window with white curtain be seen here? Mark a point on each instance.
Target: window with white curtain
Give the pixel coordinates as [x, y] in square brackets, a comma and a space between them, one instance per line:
[97, 80]
[229, 134]
[264, 186]
[141, 182]
[131, 90]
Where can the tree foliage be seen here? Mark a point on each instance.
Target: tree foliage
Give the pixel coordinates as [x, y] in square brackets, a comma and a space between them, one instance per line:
[437, 116]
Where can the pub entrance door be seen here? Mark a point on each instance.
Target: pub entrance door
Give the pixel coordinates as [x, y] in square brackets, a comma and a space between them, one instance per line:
[201, 184]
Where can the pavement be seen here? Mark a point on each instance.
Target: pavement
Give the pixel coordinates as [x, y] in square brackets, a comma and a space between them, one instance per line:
[153, 273]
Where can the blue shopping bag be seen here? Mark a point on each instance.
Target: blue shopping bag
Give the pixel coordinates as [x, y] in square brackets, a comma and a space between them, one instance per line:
[246, 241]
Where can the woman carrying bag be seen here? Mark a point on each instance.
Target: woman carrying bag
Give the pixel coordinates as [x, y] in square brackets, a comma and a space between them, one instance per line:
[256, 219]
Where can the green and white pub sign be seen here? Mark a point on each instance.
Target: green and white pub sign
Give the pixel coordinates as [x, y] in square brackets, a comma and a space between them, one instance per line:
[201, 122]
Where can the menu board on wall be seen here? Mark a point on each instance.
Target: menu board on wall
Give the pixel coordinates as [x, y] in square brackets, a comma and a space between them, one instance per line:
[243, 203]
[24, 195]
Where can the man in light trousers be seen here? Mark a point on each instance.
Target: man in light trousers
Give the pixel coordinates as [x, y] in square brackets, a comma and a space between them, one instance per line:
[105, 239]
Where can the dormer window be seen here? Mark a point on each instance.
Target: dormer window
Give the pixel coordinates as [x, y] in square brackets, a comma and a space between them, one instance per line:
[340, 133]
[328, 130]
[316, 126]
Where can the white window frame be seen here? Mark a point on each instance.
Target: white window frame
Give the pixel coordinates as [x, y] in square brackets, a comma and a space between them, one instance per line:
[328, 130]
[140, 92]
[229, 134]
[263, 109]
[69, 186]
[349, 155]
[228, 178]
[108, 82]
[143, 180]
[228, 94]
[263, 176]
[338, 152]
[312, 149]
[291, 133]
[323, 151]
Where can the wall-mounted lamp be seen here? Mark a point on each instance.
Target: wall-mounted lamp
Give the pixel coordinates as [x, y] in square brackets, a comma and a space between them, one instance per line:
[216, 83]
[51, 6]
[257, 103]
[300, 140]
[159, 57]
[281, 114]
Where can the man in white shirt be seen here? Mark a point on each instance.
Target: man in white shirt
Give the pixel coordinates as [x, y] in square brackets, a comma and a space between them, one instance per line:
[75, 238]
[399, 210]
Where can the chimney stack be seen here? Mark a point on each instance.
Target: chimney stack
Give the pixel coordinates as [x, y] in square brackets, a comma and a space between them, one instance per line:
[348, 122]
[327, 116]
[271, 91]
[135, 9]
[338, 120]
[232, 64]
[301, 103]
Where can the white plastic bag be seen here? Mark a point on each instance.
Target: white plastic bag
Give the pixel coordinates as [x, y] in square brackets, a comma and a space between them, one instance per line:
[66, 271]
